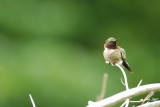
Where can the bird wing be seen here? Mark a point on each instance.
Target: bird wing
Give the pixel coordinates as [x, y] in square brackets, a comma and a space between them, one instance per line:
[125, 64]
[123, 54]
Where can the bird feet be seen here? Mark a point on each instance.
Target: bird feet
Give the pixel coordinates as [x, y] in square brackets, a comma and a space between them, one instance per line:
[107, 62]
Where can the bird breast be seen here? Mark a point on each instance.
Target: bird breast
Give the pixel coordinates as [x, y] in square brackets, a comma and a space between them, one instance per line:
[108, 52]
[112, 55]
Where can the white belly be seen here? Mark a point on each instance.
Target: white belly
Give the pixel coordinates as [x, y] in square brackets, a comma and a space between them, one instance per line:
[107, 52]
[107, 56]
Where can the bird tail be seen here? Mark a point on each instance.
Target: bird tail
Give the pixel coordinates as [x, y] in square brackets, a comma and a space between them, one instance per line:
[126, 66]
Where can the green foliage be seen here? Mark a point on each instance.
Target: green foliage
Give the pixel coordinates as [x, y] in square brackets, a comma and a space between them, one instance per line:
[53, 49]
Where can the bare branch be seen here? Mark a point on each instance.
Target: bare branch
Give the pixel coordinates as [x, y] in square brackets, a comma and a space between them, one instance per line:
[148, 96]
[145, 99]
[125, 95]
[32, 100]
[151, 104]
[104, 84]
[122, 82]
[124, 103]
[124, 74]
[126, 84]
[139, 83]
[140, 101]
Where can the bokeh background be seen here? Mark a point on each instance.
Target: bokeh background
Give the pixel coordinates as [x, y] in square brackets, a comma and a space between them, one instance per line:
[53, 49]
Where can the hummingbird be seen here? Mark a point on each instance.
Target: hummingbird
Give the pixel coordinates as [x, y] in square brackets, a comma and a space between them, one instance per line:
[113, 54]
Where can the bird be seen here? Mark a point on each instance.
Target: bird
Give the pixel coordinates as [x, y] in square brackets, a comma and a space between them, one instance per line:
[115, 55]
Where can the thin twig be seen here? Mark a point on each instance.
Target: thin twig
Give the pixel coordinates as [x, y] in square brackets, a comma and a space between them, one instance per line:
[33, 103]
[151, 104]
[124, 74]
[145, 99]
[103, 90]
[148, 96]
[123, 104]
[140, 101]
[127, 102]
[122, 82]
[139, 83]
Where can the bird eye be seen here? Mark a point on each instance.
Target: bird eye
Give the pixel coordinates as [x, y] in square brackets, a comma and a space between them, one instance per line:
[111, 42]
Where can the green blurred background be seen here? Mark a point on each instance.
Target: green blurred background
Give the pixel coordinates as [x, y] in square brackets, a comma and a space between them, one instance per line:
[53, 49]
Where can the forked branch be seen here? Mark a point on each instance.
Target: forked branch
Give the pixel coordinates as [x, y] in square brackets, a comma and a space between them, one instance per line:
[125, 95]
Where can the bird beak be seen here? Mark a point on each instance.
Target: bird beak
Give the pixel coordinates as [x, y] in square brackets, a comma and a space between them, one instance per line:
[117, 39]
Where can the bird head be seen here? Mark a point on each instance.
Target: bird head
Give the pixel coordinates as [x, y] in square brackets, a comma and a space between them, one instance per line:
[111, 43]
